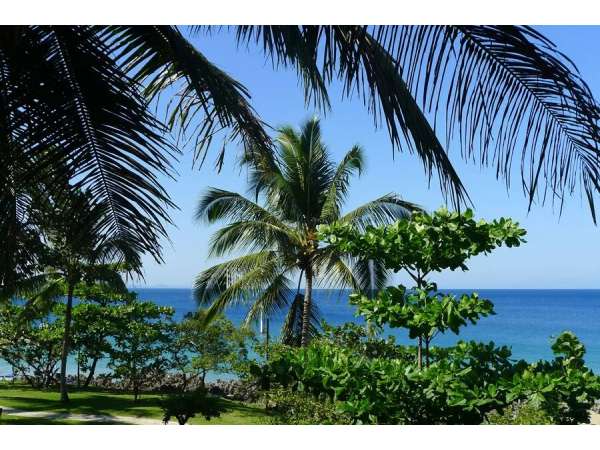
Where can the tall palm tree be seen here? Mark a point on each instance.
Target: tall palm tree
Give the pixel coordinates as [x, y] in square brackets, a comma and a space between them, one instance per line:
[75, 252]
[81, 95]
[302, 188]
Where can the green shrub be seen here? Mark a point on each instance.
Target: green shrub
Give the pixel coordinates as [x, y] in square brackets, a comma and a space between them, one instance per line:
[520, 413]
[462, 385]
[184, 406]
[300, 408]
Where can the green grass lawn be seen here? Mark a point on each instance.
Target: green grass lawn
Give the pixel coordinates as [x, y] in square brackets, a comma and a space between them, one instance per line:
[92, 401]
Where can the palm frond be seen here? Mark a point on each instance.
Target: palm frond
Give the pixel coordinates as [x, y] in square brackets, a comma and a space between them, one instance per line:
[273, 299]
[44, 294]
[91, 118]
[345, 272]
[381, 211]
[291, 330]
[371, 275]
[306, 172]
[218, 204]
[504, 92]
[252, 236]
[106, 275]
[366, 69]
[507, 92]
[281, 45]
[210, 283]
[353, 161]
[208, 101]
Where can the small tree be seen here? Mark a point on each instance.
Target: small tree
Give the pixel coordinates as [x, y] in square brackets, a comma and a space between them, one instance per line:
[141, 338]
[184, 406]
[203, 346]
[31, 343]
[94, 324]
[420, 245]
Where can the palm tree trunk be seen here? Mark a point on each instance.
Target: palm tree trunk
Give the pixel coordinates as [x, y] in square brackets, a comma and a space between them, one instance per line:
[64, 396]
[307, 306]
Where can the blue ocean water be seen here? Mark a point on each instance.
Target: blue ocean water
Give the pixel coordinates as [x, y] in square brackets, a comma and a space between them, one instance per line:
[525, 320]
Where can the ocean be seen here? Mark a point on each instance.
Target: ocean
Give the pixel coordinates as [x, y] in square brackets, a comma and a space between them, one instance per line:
[525, 320]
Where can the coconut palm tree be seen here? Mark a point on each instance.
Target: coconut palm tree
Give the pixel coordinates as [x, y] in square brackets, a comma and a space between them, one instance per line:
[301, 188]
[81, 95]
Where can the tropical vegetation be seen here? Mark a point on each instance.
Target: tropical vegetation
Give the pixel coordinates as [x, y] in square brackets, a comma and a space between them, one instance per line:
[83, 151]
[462, 384]
[302, 189]
[82, 97]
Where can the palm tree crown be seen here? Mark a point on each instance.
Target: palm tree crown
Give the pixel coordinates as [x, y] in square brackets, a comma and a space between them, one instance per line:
[301, 188]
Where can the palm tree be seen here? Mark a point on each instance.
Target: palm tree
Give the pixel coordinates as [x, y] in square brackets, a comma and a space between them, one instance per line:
[302, 188]
[75, 253]
[81, 95]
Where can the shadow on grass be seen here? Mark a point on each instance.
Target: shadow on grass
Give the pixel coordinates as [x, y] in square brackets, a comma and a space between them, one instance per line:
[80, 402]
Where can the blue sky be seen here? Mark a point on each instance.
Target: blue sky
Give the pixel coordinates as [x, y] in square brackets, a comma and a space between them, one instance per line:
[561, 252]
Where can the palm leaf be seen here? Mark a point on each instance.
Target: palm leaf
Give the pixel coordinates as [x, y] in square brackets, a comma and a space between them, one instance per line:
[208, 101]
[366, 69]
[291, 330]
[381, 211]
[90, 118]
[252, 236]
[351, 162]
[504, 92]
[274, 298]
[212, 282]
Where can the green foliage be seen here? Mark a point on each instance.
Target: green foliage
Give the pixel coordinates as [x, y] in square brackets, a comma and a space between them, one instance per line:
[462, 385]
[95, 321]
[31, 343]
[200, 346]
[299, 408]
[421, 244]
[421, 312]
[519, 413]
[300, 187]
[365, 342]
[426, 242]
[563, 387]
[184, 406]
[141, 339]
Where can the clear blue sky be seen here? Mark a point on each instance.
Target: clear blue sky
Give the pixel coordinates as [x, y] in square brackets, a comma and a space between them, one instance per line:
[561, 252]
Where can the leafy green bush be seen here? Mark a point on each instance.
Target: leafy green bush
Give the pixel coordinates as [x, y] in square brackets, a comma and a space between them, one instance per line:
[520, 413]
[375, 381]
[462, 385]
[184, 406]
[299, 408]
[365, 342]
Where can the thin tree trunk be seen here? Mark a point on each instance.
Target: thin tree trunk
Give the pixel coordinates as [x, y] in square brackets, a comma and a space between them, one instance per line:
[427, 339]
[307, 306]
[90, 376]
[184, 383]
[420, 353]
[64, 396]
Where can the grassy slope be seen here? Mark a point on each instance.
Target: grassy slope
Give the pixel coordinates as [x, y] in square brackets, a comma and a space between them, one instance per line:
[91, 401]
